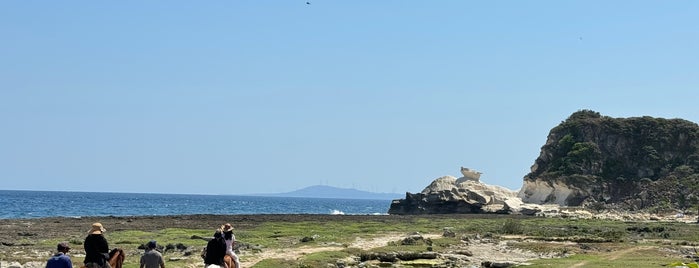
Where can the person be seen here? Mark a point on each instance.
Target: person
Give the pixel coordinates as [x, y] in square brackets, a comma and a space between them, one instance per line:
[60, 259]
[152, 258]
[229, 237]
[216, 250]
[96, 248]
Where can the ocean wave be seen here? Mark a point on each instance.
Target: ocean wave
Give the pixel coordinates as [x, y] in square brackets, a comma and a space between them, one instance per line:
[336, 212]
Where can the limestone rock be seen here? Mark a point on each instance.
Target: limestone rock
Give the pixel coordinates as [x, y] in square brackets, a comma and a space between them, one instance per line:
[470, 174]
[448, 194]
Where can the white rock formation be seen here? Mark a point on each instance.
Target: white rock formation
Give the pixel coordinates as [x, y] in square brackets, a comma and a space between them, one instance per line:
[493, 198]
[468, 194]
[445, 183]
[448, 194]
[470, 174]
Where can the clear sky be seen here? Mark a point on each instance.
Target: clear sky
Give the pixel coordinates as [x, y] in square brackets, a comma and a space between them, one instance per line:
[239, 97]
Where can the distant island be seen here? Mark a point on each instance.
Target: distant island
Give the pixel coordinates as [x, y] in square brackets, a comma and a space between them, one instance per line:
[324, 191]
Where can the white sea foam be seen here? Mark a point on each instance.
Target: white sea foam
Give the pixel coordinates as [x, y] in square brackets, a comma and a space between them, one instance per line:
[337, 212]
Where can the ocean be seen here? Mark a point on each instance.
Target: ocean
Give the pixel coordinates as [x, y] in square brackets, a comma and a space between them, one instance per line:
[42, 204]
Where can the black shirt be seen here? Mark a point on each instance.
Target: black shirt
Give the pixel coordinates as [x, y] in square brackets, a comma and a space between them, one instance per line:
[96, 249]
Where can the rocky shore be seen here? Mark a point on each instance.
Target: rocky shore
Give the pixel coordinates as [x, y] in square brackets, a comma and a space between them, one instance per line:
[27, 243]
[21, 239]
[14, 230]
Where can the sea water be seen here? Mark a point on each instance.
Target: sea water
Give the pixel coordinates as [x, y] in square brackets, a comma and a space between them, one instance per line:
[41, 204]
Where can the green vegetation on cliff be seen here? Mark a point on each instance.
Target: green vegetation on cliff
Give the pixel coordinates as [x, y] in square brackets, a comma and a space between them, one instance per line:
[635, 163]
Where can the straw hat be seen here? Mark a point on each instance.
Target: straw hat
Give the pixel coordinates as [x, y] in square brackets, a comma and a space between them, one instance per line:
[97, 229]
[226, 227]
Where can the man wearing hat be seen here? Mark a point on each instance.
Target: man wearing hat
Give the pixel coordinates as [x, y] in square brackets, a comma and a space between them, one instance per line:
[152, 258]
[60, 259]
[96, 248]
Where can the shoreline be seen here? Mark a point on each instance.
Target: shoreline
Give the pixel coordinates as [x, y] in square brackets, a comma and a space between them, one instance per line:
[63, 228]
[42, 204]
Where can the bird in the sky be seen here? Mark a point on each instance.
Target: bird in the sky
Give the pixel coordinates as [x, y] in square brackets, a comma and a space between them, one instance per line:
[308, 3]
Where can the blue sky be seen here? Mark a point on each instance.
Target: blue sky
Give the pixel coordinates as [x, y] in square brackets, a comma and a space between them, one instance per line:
[238, 97]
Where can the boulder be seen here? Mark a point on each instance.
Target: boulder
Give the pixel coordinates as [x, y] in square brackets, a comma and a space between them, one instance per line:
[448, 194]
[470, 174]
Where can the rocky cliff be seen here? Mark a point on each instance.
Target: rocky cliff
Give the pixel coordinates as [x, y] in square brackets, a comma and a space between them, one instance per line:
[632, 163]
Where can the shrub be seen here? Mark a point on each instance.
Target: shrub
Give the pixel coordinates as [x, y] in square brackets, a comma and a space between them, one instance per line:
[512, 226]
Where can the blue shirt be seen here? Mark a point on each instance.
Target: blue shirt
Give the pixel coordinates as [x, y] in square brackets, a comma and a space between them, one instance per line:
[59, 260]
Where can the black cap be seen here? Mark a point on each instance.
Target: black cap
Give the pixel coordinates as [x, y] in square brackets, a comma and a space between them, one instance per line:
[62, 246]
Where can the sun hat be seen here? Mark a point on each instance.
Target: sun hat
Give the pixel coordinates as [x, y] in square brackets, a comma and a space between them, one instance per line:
[227, 227]
[97, 228]
[62, 246]
[152, 244]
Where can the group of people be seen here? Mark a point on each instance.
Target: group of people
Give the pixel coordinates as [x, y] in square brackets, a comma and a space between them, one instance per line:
[97, 250]
[220, 246]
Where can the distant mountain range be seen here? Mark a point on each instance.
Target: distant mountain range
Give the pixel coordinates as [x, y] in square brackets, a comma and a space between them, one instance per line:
[323, 191]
